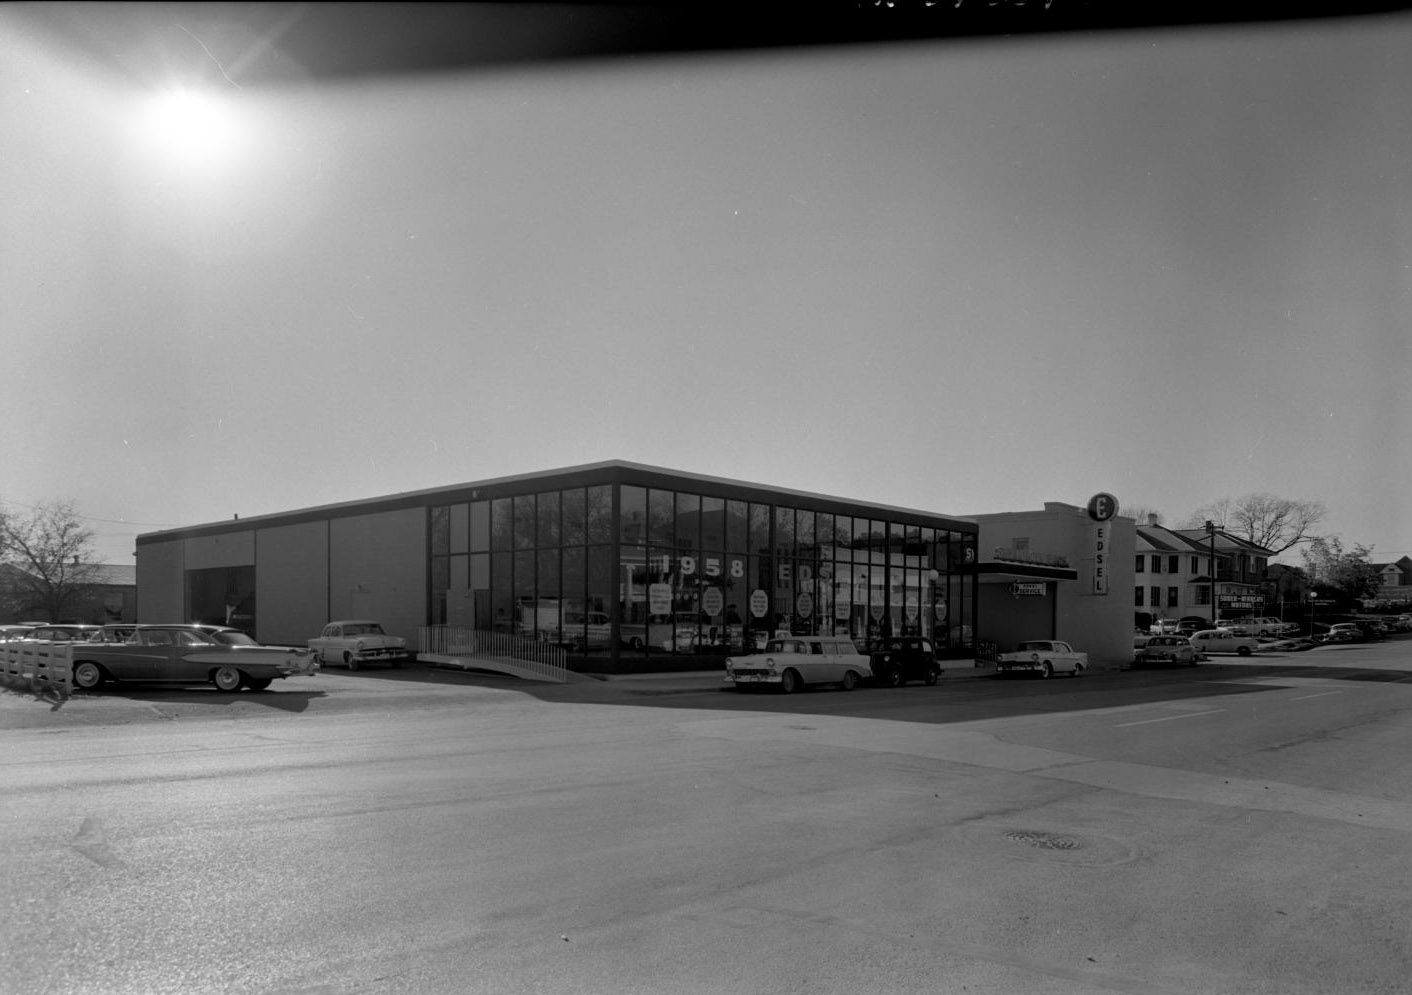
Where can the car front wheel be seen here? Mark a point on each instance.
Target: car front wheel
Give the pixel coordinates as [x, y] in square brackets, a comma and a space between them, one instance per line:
[933, 675]
[850, 681]
[789, 682]
[1046, 672]
[894, 678]
[227, 679]
[1243, 651]
[87, 676]
[350, 661]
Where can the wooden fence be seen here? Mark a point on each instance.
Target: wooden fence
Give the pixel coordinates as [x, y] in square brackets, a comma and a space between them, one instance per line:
[38, 665]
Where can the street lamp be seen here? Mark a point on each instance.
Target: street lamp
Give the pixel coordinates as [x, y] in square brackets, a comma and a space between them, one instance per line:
[1211, 568]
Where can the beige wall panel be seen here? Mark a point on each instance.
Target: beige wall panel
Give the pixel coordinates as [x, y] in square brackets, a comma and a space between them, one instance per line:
[231, 549]
[1099, 624]
[291, 580]
[161, 582]
[378, 570]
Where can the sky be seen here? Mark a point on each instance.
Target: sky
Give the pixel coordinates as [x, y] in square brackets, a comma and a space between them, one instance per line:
[957, 276]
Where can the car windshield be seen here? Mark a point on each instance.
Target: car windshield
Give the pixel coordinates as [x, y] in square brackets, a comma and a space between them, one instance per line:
[782, 646]
[1034, 646]
[363, 629]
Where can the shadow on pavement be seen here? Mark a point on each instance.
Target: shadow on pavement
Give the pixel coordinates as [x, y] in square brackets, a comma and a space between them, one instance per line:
[282, 700]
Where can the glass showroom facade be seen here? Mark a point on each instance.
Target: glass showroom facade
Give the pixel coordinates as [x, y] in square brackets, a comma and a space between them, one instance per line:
[627, 561]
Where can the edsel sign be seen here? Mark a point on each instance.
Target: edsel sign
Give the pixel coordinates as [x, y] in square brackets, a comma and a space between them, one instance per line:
[1101, 508]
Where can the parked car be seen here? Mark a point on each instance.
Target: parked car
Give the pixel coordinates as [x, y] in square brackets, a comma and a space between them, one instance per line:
[1263, 625]
[14, 631]
[113, 632]
[1045, 657]
[1343, 632]
[354, 642]
[1168, 649]
[1163, 627]
[62, 633]
[790, 663]
[1224, 641]
[1373, 628]
[905, 658]
[1189, 625]
[1399, 623]
[183, 654]
[1294, 644]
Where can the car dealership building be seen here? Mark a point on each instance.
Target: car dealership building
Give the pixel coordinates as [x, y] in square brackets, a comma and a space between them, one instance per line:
[627, 567]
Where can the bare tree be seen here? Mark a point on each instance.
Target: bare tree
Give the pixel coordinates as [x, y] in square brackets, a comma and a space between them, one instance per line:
[52, 554]
[1275, 523]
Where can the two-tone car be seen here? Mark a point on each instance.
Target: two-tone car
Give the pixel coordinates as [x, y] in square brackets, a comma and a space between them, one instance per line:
[789, 663]
[184, 654]
[1043, 657]
[1167, 650]
[1224, 641]
[358, 641]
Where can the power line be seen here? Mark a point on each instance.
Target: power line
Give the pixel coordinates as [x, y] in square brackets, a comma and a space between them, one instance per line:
[94, 518]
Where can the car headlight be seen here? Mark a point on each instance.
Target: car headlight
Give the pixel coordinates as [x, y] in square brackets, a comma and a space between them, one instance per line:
[1034, 658]
[730, 665]
[358, 646]
[770, 664]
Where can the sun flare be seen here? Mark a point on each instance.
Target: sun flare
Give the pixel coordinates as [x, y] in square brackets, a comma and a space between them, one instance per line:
[192, 128]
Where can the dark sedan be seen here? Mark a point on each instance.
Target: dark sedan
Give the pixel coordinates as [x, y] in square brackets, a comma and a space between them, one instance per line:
[185, 654]
[903, 659]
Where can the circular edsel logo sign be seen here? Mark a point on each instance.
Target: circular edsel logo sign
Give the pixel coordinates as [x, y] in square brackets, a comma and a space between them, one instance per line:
[1102, 506]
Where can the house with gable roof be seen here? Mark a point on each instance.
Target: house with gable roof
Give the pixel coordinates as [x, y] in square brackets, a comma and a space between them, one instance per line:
[1176, 575]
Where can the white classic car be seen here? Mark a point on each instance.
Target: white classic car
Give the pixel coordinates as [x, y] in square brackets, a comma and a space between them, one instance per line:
[1224, 641]
[353, 642]
[1045, 657]
[790, 662]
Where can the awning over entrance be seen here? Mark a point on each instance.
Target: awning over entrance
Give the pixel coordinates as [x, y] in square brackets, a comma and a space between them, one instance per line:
[1022, 573]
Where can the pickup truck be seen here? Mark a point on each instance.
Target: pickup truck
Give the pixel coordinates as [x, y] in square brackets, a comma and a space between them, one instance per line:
[1045, 657]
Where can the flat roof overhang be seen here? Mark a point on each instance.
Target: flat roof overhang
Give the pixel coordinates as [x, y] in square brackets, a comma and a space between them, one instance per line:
[1009, 573]
[607, 472]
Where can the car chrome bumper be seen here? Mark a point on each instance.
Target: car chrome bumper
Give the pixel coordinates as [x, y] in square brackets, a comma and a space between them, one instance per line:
[752, 679]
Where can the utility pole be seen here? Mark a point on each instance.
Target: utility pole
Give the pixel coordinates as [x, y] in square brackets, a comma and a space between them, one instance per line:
[1211, 531]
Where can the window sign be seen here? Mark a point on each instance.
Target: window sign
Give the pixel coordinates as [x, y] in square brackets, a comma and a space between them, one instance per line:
[805, 604]
[659, 598]
[759, 603]
[713, 602]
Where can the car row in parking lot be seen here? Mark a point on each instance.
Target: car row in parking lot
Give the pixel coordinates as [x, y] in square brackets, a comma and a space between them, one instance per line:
[789, 663]
[196, 653]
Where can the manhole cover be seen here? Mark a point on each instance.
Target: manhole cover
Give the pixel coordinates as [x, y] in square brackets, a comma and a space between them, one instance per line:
[1045, 841]
[1090, 849]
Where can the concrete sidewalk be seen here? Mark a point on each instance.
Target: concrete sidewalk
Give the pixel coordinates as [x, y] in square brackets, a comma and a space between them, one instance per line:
[696, 681]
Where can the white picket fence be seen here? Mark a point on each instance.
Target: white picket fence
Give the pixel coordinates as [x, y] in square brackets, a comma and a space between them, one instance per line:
[463, 646]
[38, 665]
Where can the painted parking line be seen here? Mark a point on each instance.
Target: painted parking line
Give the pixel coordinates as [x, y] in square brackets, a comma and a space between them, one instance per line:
[1168, 718]
[1322, 694]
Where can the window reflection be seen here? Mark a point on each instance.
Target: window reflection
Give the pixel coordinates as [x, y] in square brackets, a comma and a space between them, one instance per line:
[677, 572]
